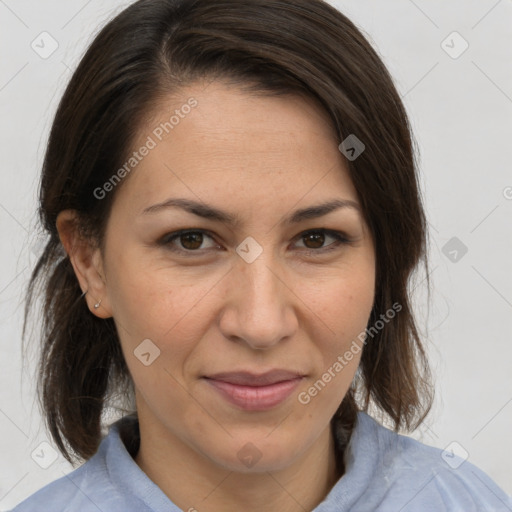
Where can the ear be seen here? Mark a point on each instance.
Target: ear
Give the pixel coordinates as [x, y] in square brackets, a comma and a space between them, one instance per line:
[87, 261]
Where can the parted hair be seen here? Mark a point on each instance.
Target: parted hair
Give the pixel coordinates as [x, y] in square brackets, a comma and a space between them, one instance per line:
[147, 52]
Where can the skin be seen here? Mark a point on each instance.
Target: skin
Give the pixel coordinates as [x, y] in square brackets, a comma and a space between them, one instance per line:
[260, 158]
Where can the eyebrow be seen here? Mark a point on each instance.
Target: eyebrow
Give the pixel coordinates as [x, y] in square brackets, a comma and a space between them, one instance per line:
[210, 212]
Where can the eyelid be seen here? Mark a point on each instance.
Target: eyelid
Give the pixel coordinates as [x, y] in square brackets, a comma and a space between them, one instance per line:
[169, 237]
[341, 238]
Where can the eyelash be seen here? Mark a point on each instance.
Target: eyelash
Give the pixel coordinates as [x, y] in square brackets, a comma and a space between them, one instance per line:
[340, 239]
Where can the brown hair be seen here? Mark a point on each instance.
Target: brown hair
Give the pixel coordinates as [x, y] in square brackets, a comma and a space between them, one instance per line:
[147, 52]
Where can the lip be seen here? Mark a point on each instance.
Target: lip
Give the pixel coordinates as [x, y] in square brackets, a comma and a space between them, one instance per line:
[255, 392]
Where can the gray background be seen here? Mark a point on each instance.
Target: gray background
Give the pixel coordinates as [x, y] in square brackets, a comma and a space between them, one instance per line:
[460, 106]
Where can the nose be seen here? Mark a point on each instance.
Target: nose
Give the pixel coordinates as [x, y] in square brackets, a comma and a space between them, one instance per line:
[260, 306]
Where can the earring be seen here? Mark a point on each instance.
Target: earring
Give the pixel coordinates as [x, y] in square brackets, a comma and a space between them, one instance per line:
[97, 305]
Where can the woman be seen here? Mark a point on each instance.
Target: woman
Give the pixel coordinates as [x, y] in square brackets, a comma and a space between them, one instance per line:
[234, 215]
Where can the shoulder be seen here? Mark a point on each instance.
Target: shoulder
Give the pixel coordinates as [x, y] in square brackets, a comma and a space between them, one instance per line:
[99, 484]
[409, 475]
[79, 490]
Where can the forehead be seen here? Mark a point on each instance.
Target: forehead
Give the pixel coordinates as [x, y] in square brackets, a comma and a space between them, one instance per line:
[238, 147]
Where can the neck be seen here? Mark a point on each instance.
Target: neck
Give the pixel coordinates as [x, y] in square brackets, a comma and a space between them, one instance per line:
[199, 485]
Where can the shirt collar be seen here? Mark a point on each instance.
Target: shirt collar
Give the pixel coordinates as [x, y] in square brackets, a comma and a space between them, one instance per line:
[361, 460]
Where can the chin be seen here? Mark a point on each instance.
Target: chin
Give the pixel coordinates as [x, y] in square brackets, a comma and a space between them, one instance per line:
[253, 455]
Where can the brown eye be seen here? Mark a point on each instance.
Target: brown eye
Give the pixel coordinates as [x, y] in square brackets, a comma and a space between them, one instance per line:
[316, 239]
[192, 240]
[187, 241]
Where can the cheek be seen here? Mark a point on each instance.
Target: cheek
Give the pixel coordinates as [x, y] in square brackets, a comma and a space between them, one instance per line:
[155, 301]
[345, 307]
[344, 304]
[171, 309]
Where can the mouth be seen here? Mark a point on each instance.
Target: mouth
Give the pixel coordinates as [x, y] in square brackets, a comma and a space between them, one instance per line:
[255, 392]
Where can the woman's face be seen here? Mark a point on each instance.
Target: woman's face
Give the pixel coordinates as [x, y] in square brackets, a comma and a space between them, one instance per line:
[226, 330]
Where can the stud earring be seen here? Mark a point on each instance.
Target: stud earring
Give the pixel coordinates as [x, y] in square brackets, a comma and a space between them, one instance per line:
[97, 305]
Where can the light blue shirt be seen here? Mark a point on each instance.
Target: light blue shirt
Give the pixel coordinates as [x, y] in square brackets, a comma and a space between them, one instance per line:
[385, 472]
